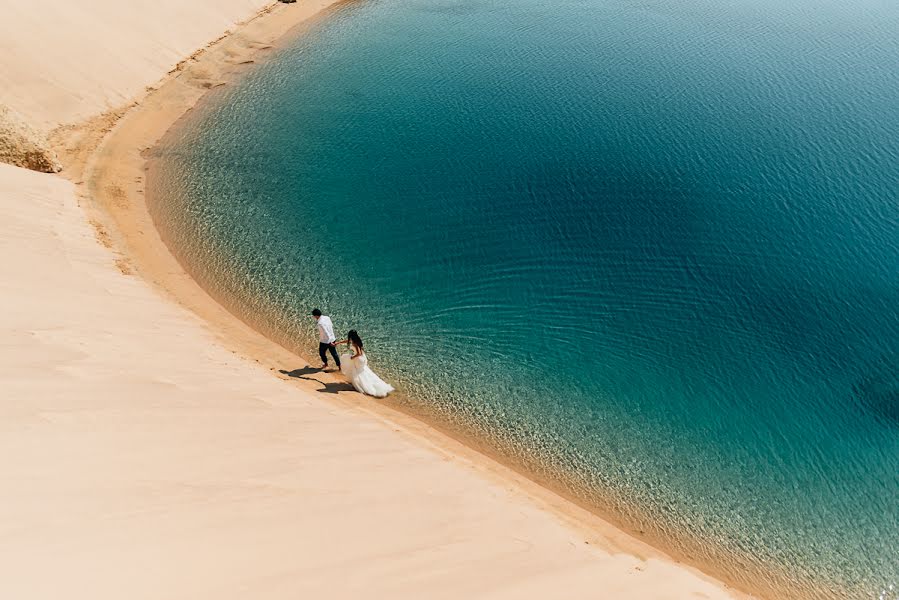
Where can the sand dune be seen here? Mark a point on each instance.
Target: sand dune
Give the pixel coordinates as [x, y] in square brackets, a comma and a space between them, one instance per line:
[144, 459]
[68, 61]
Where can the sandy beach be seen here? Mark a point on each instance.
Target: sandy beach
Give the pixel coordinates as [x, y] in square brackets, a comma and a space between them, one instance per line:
[157, 446]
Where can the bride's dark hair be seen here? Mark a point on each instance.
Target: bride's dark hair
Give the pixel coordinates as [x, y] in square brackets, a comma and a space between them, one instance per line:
[354, 338]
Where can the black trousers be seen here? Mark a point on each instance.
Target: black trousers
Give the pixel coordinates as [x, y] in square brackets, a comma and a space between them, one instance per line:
[322, 348]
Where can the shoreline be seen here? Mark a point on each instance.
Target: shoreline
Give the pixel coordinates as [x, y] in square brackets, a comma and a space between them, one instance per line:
[108, 158]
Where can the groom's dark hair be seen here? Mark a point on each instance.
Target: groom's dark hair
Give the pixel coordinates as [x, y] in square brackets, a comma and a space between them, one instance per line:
[316, 312]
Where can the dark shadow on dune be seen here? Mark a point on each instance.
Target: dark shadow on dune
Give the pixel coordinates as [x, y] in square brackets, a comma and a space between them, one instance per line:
[327, 388]
[301, 373]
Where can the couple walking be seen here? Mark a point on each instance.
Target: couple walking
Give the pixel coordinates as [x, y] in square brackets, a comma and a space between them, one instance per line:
[354, 365]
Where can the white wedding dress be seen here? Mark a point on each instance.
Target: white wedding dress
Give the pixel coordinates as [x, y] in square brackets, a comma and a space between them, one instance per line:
[363, 378]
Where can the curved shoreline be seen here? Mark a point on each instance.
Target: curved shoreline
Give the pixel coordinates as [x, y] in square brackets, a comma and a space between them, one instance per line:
[113, 169]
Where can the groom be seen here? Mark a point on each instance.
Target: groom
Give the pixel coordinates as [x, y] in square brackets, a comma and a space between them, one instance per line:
[326, 338]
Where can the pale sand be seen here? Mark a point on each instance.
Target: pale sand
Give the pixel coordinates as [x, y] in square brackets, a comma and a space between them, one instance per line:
[65, 61]
[144, 459]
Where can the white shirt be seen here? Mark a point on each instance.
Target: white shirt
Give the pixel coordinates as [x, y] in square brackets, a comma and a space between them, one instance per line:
[325, 330]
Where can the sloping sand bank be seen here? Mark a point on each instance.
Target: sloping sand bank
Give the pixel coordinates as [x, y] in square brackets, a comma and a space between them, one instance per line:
[145, 459]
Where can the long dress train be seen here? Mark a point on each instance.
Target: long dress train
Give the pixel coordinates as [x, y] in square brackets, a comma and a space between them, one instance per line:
[356, 370]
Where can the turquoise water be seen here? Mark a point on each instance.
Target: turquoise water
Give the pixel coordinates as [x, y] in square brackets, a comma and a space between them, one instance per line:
[649, 250]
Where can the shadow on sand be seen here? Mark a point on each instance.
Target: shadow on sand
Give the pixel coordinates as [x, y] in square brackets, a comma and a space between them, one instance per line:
[328, 388]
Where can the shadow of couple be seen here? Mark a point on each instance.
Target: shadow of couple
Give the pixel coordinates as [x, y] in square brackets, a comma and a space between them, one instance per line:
[329, 388]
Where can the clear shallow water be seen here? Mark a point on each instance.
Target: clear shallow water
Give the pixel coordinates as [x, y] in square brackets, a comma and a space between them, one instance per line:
[650, 250]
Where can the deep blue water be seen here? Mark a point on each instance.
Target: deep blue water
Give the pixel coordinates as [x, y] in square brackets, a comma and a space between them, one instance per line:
[647, 249]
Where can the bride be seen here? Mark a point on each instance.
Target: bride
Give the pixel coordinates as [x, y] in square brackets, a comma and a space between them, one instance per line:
[355, 368]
